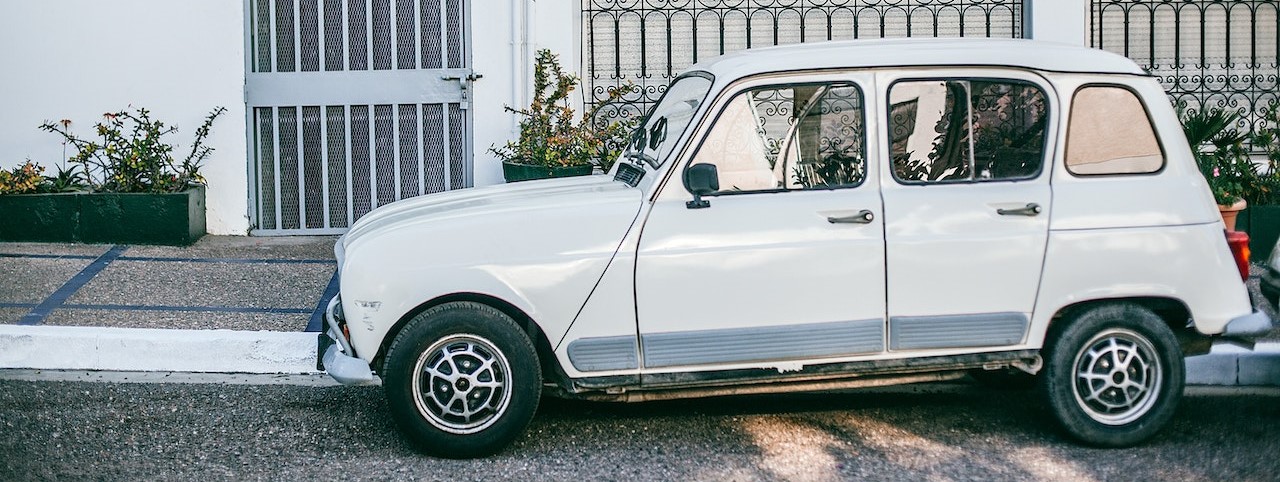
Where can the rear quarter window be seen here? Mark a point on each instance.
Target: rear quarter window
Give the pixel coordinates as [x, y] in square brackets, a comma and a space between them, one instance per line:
[1110, 133]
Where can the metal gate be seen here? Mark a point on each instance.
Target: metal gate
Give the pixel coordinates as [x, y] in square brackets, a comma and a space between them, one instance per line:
[354, 104]
[1208, 54]
[645, 42]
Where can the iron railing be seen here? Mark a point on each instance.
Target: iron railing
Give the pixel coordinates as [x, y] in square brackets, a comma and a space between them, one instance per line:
[644, 43]
[1208, 54]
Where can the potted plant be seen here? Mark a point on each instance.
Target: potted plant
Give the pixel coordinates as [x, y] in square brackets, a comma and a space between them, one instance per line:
[125, 187]
[552, 142]
[1222, 158]
[1262, 219]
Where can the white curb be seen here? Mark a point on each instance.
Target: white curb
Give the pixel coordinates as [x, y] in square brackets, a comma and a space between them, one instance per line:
[146, 350]
[1228, 364]
[274, 352]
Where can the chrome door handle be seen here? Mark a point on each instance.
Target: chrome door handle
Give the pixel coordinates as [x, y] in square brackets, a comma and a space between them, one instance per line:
[863, 217]
[1031, 209]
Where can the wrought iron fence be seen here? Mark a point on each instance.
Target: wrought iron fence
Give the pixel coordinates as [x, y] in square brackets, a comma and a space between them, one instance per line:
[1209, 54]
[644, 43]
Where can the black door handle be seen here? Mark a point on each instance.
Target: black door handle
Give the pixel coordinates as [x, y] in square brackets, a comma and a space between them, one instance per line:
[863, 217]
[1031, 209]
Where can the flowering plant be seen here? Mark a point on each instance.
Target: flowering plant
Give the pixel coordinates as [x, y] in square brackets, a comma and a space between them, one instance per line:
[549, 134]
[133, 156]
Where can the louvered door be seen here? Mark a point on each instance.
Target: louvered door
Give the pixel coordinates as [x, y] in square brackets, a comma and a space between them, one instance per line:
[354, 104]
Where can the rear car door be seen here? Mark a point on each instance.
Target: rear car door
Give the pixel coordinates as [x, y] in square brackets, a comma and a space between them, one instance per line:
[967, 203]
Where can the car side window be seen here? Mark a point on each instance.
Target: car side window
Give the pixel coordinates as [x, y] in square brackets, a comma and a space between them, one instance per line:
[1110, 133]
[788, 137]
[966, 130]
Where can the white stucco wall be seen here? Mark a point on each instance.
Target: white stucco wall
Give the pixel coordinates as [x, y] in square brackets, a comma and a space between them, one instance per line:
[76, 59]
[505, 35]
[1063, 21]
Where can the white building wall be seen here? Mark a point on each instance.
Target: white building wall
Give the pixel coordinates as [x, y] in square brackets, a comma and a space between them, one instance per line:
[76, 59]
[1063, 21]
[504, 37]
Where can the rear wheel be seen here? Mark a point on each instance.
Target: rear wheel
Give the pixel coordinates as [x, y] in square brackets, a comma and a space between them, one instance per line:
[1114, 375]
[462, 380]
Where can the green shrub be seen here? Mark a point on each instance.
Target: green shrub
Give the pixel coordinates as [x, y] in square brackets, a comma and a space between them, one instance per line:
[24, 179]
[550, 135]
[1267, 139]
[133, 156]
[1220, 154]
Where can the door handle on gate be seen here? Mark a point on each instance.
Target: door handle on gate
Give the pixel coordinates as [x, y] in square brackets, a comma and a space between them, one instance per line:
[1031, 209]
[469, 77]
[863, 217]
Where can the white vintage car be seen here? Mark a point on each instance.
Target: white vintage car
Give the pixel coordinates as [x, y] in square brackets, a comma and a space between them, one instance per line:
[815, 217]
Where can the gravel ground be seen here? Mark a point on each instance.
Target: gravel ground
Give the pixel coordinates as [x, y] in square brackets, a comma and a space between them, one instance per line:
[207, 284]
[94, 250]
[12, 315]
[107, 431]
[27, 280]
[178, 320]
[1255, 271]
[251, 247]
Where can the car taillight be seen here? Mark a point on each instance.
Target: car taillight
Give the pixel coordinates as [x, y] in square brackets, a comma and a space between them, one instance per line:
[1239, 242]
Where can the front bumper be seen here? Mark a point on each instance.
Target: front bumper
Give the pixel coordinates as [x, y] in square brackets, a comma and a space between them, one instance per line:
[336, 354]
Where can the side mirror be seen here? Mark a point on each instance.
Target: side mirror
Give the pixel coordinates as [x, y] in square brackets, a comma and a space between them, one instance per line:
[701, 179]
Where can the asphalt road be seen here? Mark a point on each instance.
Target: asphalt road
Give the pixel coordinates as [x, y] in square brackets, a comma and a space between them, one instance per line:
[150, 431]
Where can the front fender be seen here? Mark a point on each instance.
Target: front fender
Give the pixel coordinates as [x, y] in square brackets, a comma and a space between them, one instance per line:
[372, 309]
[544, 259]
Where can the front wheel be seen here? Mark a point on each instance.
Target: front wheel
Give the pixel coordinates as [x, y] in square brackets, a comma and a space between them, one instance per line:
[462, 380]
[1114, 375]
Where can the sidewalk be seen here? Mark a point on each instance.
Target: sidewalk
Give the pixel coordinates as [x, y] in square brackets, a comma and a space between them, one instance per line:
[226, 304]
[252, 305]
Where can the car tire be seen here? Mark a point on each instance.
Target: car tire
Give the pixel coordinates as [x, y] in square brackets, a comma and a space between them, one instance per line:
[1004, 378]
[462, 380]
[1113, 375]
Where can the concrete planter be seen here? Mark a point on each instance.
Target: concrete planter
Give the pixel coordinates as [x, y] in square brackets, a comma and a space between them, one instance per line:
[515, 172]
[128, 218]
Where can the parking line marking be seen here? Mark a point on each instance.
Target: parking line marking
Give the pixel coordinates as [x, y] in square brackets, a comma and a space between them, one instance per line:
[41, 311]
[316, 323]
[189, 309]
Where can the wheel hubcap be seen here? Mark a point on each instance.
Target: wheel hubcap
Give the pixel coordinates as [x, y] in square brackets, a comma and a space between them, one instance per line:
[462, 384]
[1117, 377]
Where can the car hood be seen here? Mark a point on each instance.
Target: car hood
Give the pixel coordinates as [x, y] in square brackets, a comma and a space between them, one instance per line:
[503, 203]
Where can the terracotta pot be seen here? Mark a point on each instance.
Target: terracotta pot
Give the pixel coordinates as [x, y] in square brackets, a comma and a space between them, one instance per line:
[1229, 213]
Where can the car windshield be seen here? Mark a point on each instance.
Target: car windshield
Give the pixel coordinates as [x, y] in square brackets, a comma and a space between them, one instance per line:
[667, 121]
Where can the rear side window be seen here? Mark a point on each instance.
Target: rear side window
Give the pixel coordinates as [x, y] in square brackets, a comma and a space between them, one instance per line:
[1110, 133]
[966, 130]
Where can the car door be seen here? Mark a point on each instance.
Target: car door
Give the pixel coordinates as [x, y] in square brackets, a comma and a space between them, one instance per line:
[785, 262]
[967, 203]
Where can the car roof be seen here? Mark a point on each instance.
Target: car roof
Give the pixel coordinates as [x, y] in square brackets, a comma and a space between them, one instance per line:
[918, 52]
